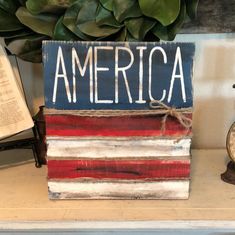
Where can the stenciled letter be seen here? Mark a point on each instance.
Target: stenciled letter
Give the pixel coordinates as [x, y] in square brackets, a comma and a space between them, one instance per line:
[150, 71]
[178, 61]
[123, 70]
[82, 70]
[141, 69]
[96, 69]
[60, 61]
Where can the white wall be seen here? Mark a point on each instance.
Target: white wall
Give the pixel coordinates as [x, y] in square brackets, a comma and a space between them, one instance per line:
[214, 97]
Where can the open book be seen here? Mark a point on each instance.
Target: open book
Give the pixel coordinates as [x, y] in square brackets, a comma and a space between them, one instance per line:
[14, 114]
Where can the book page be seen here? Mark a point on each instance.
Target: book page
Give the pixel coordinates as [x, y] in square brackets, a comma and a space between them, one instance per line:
[14, 114]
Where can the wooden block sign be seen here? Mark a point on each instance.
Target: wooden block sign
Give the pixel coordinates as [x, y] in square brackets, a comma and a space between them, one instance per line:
[117, 75]
[118, 119]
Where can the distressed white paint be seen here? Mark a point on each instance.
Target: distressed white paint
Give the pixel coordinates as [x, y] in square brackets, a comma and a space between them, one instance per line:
[150, 71]
[178, 62]
[119, 190]
[111, 148]
[99, 69]
[82, 70]
[123, 70]
[60, 62]
[141, 68]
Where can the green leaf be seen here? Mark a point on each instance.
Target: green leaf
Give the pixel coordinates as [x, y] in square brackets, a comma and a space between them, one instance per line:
[87, 12]
[70, 20]
[9, 5]
[108, 4]
[86, 21]
[150, 37]
[191, 6]
[124, 9]
[22, 2]
[62, 33]
[92, 29]
[49, 6]
[15, 34]
[9, 22]
[138, 27]
[165, 11]
[168, 33]
[130, 38]
[121, 36]
[41, 23]
[29, 48]
[105, 17]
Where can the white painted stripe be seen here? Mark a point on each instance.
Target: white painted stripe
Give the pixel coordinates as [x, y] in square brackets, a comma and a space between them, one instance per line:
[119, 190]
[118, 225]
[118, 148]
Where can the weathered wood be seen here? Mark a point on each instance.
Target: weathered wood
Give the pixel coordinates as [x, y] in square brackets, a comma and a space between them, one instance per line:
[119, 169]
[72, 125]
[112, 148]
[214, 16]
[117, 75]
[171, 189]
[93, 156]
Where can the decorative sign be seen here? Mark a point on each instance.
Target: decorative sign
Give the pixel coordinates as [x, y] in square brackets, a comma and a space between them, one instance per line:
[111, 75]
[118, 119]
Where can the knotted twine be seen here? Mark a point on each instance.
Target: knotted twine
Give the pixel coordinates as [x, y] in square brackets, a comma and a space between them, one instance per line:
[157, 107]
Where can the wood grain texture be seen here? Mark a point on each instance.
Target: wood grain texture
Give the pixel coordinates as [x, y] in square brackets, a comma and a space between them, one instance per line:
[119, 169]
[111, 148]
[214, 16]
[72, 125]
[116, 75]
[178, 189]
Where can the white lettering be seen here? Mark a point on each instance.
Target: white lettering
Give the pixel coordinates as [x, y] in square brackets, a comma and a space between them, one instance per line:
[178, 61]
[82, 70]
[150, 71]
[60, 61]
[96, 69]
[141, 69]
[122, 69]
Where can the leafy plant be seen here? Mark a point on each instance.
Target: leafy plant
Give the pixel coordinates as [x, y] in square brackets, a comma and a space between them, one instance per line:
[25, 23]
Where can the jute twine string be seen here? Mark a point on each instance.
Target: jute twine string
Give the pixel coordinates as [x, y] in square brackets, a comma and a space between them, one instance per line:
[179, 114]
[156, 108]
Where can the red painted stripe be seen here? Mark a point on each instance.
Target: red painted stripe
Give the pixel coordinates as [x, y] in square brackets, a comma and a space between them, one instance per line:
[119, 169]
[69, 125]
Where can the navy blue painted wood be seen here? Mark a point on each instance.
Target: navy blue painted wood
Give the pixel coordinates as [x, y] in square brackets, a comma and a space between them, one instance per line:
[161, 74]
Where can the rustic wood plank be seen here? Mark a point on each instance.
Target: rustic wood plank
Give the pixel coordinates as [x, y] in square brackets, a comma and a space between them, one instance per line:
[119, 190]
[111, 148]
[119, 169]
[214, 16]
[72, 125]
[117, 75]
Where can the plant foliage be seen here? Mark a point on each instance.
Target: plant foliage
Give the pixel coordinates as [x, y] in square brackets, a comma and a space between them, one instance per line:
[26, 23]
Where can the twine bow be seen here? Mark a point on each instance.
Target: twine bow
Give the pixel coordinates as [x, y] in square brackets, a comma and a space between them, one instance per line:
[156, 108]
[179, 114]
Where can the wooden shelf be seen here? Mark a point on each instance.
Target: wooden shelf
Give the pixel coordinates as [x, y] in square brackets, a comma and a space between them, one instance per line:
[24, 197]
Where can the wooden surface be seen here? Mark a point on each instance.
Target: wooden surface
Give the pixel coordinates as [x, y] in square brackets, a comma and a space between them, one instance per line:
[214, 16]
[78, 75]
[24, 197]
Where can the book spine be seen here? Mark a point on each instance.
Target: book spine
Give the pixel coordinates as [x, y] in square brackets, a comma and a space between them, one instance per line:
[72, 125]
[119, 169]
[118, 148]
[172, 189]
